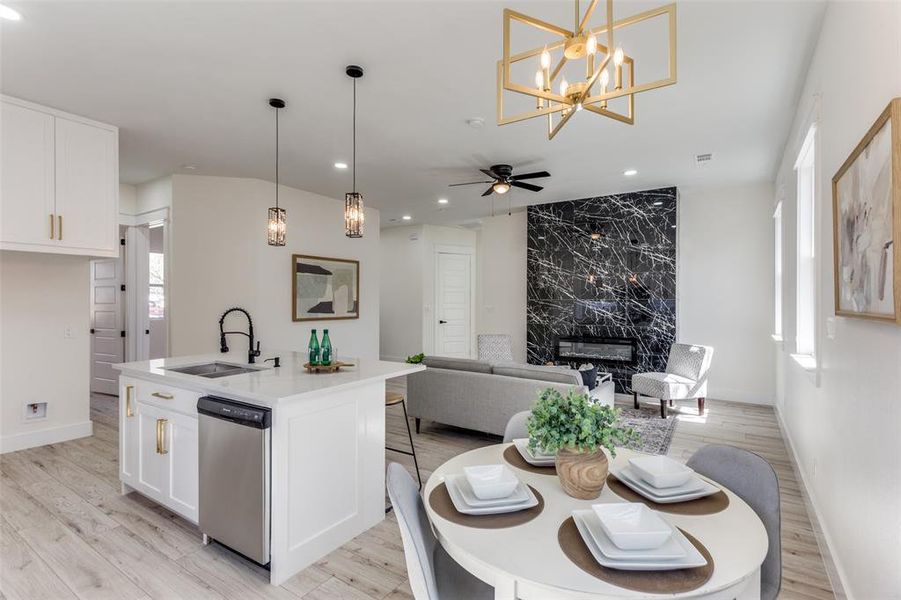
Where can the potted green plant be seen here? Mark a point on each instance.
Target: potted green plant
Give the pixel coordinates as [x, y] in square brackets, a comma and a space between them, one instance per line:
[415, 359]
[578, 430]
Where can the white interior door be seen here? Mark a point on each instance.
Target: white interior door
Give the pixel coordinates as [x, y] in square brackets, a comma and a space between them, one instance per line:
[453, 329]
[107, 324]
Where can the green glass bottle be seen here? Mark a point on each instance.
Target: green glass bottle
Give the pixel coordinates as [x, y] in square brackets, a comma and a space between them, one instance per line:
[314, 349]
[325, 357]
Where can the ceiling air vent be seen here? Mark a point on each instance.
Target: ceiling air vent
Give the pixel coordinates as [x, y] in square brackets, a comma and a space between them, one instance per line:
[702, 160]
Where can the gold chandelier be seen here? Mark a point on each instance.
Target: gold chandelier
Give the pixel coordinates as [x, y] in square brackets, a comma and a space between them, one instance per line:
[554, 94]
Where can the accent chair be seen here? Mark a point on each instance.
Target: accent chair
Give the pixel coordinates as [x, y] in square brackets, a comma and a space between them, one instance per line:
[685, 377]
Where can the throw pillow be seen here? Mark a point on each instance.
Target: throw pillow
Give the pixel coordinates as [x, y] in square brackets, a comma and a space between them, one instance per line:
[589, 373]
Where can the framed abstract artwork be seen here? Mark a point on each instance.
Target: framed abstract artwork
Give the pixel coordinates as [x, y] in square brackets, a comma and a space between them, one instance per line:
[866, 224]
[324, 289]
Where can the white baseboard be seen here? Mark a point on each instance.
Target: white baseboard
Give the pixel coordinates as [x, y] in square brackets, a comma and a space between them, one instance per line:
[824, 542]
[42, 437]
[738, 395]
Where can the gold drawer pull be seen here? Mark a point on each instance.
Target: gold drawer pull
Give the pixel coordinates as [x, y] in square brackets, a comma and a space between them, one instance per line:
[52, 228]
[162, 395]
[129, 412]
[60, 218]
[161, 436]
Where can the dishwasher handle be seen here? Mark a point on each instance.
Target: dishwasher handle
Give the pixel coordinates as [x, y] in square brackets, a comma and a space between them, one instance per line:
[247, 415]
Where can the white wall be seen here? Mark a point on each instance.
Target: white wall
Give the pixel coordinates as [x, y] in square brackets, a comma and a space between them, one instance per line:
[844, 423]
[408, 285]
[128, 199]
[220, 259]
[501, 304]
[41, 296]
[154, 195]
[724, 282]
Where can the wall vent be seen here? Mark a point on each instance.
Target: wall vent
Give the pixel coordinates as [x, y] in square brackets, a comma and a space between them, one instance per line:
[702, 160]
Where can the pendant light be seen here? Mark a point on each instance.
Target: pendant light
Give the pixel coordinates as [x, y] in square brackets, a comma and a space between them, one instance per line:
[276, 234]
[353, 202]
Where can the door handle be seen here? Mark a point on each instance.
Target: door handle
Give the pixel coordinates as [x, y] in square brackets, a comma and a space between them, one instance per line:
[161, 436]
[52, 228]
[60, 219]
[162, 395]
[442, 322]
[128, 410]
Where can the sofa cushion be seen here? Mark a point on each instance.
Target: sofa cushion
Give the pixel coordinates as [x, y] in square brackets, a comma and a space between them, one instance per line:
[539, 373]
[457, 364]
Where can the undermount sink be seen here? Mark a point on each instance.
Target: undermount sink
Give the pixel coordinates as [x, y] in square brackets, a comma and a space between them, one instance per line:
[214, 369]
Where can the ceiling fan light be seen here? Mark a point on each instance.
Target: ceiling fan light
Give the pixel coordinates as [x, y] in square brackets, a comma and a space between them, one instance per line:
[501, 187]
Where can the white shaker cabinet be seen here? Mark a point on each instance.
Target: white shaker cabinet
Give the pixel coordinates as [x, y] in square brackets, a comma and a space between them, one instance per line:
[158, 445]
[59, 181]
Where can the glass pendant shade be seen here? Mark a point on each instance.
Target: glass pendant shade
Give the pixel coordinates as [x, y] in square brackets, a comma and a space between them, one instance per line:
[353, 215]
[277, 226]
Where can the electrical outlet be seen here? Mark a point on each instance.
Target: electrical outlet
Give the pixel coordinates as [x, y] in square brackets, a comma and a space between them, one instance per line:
[67, 333]
[35, 410]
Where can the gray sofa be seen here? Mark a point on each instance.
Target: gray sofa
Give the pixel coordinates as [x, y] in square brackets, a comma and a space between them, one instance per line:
[483, 396]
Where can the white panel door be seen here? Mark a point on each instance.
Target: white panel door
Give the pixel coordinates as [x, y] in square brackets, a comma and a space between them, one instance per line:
[453, 305]
[180, 441]
[26, 185]
[87, 195]
[107, 316]
[153, 460]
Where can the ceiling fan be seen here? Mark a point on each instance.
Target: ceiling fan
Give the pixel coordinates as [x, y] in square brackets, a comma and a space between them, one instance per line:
[502, 179]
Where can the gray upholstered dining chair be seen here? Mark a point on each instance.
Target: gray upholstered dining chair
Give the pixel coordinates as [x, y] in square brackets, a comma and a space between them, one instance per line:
[516, 427]
[753, 480]
[434, 575]
[495, 347]
[685, 377]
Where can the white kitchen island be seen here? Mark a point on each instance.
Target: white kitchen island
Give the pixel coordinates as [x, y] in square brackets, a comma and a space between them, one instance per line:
[327, 444]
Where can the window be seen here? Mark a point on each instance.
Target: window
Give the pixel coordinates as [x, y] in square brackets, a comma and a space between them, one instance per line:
[805, 341]
[157, 298]
[777, 287]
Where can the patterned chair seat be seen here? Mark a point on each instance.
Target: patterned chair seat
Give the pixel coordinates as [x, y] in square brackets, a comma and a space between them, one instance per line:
[665, 386]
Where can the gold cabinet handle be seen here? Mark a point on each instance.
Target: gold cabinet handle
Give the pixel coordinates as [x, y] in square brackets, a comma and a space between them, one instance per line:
[60, 219]
[129, 412]
[162, 395]
[52, 228]
[161, 436]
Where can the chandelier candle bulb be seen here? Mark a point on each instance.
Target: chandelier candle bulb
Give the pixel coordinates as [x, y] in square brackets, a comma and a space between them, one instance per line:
[545, 59]
[618, 58]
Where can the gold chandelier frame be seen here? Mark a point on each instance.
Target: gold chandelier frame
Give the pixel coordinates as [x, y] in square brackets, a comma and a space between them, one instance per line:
[549, 103]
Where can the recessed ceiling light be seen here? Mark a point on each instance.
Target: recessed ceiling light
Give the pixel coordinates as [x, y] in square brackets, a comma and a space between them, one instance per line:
[189, 167]
[9, 14]
[406, 217]
[340, 165]
[630, 172]
[442, 200]
[476, 122]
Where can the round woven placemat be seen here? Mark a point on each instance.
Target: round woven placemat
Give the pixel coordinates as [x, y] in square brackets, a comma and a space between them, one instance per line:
[648, 582]
[514, 458]
[708, 505]
[441, 503]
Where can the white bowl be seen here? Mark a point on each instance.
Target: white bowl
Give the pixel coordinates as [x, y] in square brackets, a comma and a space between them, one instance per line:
[490, 482]
[632, 526]
[661, 471]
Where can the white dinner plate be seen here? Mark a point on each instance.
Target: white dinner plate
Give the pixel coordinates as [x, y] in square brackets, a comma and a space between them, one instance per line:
[695, 484]
[642, 488]
[693, 558]
[536, 461]
[453, 490]
[520, 494]
[669, 550]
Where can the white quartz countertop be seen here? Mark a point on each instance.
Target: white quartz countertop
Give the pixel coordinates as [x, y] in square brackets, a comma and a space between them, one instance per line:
[267, 386]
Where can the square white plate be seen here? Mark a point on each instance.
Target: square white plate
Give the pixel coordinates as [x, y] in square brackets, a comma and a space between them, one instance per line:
[670, 550]
[523, 446]
[642, 488]
[453, 490]
[661, 472]
[632, 525]
[693, 558]
[695, 484]
[520, 494]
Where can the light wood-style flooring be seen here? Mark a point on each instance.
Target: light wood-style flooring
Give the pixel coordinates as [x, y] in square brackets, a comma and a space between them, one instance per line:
[68, 533]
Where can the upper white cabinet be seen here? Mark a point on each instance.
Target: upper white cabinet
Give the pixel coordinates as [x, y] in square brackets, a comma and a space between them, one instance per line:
[59, 181]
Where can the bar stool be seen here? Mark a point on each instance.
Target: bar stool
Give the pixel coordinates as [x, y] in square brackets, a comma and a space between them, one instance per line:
[393, 399]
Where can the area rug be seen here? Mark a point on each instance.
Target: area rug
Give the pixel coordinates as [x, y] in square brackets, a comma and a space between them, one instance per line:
[655, 433]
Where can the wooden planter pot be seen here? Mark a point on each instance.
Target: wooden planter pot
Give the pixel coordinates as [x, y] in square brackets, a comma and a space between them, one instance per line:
[582, 474]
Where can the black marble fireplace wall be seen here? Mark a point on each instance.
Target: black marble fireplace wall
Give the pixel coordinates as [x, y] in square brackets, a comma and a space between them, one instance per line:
[604, 267]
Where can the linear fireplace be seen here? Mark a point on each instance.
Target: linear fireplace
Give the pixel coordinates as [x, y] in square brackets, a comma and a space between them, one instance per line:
[603, 349]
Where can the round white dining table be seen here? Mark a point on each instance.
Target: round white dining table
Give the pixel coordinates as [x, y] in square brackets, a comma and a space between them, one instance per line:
[526, 562]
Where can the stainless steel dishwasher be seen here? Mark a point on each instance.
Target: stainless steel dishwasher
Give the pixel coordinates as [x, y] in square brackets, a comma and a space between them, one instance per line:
[234, 455]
